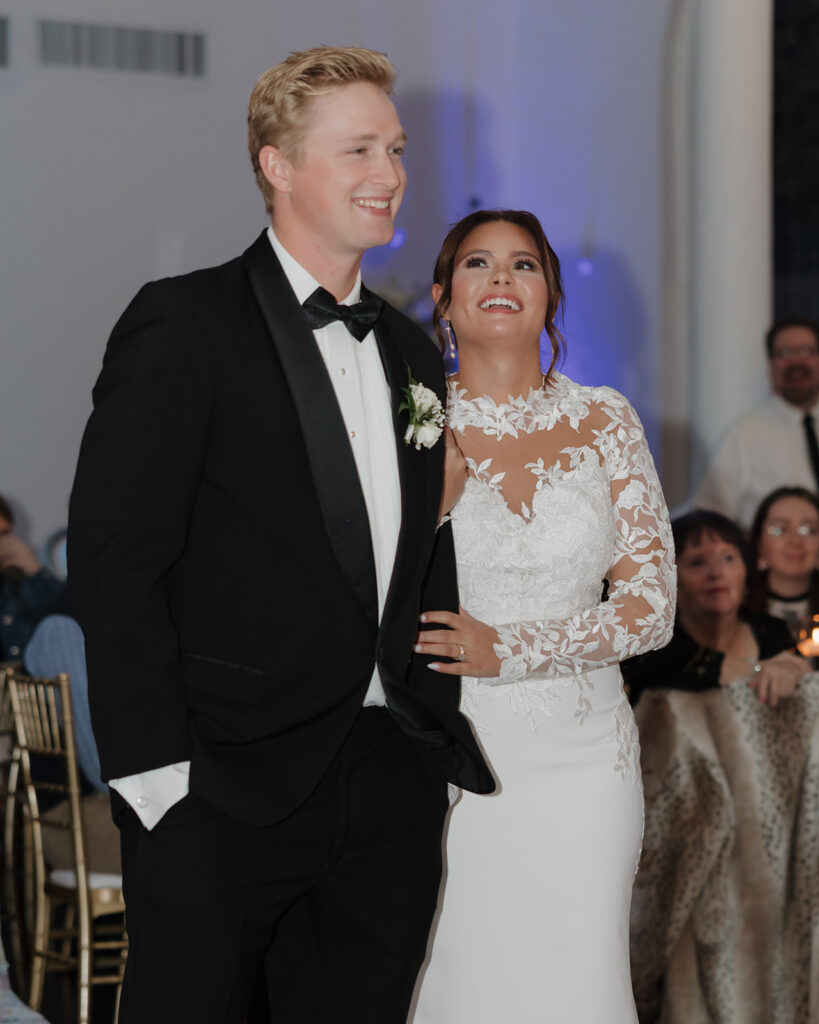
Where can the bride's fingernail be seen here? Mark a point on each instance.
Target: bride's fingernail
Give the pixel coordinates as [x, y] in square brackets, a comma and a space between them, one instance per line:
[434, 666]
[423, 618]
[418, 648]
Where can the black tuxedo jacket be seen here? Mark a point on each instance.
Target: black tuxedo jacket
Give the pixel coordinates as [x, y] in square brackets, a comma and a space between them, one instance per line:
[220, 556]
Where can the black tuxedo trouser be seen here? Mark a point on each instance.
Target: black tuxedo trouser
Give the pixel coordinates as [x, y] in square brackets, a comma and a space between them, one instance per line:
[352, 876]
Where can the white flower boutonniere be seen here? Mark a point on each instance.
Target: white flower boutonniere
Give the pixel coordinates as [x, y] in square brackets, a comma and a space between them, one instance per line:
[426, 415]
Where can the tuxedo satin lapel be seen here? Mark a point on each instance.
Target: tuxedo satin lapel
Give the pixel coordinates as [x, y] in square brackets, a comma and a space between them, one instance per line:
[331, 458]
[411, 467]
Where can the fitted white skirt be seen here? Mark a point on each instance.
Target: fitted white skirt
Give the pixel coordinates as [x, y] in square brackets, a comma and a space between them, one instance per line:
[532, 925]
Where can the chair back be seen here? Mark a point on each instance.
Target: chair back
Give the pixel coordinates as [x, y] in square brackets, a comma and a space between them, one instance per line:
[89, 941]
[44, 730]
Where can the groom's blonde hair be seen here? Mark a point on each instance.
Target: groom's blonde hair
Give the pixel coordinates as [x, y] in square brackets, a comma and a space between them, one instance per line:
[279, 109]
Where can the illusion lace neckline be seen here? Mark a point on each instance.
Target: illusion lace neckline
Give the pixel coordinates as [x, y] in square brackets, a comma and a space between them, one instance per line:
[520, 413]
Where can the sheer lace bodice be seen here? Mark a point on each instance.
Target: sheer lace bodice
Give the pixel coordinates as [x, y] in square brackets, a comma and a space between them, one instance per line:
[562, 493]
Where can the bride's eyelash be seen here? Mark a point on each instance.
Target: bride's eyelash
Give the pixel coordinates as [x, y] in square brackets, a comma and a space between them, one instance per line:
[520, 264]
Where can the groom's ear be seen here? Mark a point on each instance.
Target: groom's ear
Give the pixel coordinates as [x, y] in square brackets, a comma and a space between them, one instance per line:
[275, 167]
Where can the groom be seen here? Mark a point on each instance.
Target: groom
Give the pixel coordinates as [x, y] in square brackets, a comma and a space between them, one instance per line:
[251, 540]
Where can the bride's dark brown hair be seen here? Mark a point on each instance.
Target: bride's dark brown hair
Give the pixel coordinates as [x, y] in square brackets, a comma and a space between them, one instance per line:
[528, 222]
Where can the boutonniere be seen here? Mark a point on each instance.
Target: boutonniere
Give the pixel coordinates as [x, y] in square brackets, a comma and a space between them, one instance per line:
[426, 415]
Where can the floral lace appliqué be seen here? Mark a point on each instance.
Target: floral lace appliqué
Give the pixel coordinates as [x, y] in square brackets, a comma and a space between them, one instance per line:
[597, 513]
[627, 740]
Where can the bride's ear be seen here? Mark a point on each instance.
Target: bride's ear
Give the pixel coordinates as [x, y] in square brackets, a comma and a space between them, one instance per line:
[437, 291]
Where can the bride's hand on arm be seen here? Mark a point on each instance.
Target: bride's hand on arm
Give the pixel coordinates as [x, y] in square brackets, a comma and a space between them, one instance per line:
[466, 639]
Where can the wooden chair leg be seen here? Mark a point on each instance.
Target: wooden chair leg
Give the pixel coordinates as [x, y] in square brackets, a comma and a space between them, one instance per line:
[13, 925]
[29, 888]
[117, 1002]
[84, 938]
[42, 933]
[12, 879]
[84, 987]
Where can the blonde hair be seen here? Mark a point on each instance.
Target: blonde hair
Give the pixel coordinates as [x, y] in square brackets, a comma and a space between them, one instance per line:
[279, 106]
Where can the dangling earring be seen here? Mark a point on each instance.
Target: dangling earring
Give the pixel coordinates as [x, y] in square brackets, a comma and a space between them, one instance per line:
[450, 339]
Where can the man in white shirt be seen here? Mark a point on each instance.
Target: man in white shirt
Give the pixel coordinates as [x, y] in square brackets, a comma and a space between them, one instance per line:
[774, 445]
[251, 542]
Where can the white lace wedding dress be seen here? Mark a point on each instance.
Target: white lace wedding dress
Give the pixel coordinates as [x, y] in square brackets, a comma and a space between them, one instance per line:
[533, 916]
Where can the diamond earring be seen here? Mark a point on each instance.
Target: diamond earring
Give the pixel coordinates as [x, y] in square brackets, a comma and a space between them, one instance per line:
[450, 338]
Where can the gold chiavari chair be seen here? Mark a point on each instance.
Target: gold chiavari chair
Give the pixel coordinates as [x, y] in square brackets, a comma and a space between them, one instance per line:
[79, 915]
[16, 882]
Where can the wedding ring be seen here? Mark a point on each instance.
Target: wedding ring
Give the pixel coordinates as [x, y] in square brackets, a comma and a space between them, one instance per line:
[461, 652]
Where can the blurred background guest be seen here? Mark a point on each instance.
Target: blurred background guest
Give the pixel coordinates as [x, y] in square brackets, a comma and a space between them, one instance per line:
[57, 645]
[719, 637]
[775, 443]
[785, 543]
[28, 591]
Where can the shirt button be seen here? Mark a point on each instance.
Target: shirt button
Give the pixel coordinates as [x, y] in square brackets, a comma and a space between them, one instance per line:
[142, 801]
[343, 371]
[352, 433]
[7, 620]
[14, 649]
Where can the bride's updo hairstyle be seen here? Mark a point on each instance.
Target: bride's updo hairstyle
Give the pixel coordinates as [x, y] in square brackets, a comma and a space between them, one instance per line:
[528, 222]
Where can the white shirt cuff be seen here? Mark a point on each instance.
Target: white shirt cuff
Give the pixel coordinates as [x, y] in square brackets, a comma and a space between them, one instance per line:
[152, 794]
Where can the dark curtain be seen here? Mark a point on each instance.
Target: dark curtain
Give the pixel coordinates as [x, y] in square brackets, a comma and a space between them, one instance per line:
[796, 158]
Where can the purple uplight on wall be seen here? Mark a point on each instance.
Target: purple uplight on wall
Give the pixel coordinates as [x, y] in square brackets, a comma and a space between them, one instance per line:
[585, 268]
[398, 239]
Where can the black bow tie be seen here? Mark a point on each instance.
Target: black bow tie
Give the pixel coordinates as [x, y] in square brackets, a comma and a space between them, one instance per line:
[322, 309]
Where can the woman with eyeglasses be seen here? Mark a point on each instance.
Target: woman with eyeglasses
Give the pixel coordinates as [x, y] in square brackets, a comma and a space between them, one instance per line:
[785, 542]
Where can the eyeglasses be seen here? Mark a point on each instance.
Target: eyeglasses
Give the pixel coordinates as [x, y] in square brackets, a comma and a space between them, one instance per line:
[802, 530]
[798, 352]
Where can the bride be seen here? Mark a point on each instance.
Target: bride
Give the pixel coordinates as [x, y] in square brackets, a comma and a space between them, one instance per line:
[561, 495]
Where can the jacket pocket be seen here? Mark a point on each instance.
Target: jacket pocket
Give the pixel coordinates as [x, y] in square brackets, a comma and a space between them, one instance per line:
[225, 680]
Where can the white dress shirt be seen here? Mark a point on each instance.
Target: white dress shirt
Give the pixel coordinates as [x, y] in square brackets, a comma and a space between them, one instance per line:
[363, 395]
[761, 451]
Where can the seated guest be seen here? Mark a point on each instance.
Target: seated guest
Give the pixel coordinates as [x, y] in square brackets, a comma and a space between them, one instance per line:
[57, 645]
[28, 592]
[785, 542]
[717, 638]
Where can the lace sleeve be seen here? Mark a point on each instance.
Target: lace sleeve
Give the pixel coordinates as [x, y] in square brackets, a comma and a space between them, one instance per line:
[639, 613]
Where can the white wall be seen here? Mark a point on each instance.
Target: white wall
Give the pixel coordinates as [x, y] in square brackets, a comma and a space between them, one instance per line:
[108, 179]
